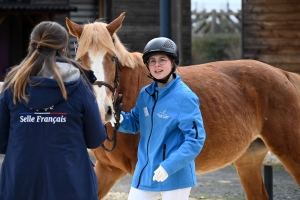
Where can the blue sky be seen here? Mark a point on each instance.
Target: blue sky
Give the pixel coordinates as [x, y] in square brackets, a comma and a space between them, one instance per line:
[199, 5]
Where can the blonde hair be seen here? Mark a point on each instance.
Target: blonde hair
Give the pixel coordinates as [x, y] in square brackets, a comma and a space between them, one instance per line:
[47, 40]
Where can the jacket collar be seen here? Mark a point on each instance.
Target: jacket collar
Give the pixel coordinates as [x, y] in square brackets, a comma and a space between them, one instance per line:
[153, 86]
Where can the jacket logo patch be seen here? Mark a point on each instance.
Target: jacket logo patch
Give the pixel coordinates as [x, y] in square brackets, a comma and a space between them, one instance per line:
[163, 115]
[43, 117]
[146, 113]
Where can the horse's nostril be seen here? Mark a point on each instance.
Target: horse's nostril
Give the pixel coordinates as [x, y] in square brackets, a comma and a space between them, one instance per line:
[109, 111]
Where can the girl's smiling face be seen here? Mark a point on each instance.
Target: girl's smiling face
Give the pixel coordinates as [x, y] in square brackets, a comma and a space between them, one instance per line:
[159, 65]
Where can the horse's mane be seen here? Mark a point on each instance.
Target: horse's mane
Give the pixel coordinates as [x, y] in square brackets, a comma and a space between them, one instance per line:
[96, 37]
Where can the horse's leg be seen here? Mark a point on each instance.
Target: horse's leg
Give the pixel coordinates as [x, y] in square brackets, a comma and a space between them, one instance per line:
[249, 171]
[107, 176]
[291, 163]
[286, 147]
[281, 125]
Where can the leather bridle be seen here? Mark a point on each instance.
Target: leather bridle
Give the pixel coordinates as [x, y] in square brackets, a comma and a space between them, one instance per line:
[117, 78]
[113, 89]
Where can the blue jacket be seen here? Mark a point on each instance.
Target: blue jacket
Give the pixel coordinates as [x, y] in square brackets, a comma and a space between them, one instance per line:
[171, 135]
[45, 142]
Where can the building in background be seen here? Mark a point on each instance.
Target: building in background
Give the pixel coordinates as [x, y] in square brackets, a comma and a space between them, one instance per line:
[269, 29]
[271, 32]
[141, 23]
[17, 19]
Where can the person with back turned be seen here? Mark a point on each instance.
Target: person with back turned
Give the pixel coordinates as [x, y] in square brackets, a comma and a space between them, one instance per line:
[49, 117]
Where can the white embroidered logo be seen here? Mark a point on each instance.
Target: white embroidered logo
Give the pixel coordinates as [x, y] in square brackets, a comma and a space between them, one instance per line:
[146, 111]
[52, 117]
[163, 115]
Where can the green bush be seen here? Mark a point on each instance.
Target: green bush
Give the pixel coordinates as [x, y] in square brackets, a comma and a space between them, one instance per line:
[216, 48]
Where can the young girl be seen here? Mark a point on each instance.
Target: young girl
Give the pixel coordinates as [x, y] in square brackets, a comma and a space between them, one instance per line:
[49, 117]
[172, 134]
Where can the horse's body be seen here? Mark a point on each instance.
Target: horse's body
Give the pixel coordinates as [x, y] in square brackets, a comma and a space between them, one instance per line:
[248, 108]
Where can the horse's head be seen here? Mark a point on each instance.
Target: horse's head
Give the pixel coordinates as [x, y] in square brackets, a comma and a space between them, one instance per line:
[97, 51]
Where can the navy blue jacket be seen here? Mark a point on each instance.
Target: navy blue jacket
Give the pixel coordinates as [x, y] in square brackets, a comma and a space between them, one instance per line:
[45, 142]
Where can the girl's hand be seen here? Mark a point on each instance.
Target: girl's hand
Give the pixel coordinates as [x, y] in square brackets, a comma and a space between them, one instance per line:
[160, 174]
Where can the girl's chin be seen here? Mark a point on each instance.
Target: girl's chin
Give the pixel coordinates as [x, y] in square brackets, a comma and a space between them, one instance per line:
[159, 76]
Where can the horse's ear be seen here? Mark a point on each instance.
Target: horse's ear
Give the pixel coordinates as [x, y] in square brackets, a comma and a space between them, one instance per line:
[74, 29]
[116, 24]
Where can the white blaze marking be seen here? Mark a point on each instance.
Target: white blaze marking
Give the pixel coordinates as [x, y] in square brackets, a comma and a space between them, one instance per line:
[97, 67]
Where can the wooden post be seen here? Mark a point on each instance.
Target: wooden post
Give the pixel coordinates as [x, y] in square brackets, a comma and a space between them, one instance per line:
[213, 22]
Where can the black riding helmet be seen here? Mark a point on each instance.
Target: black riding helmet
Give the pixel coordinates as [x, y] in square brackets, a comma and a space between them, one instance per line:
[164, 46]
[161, 45]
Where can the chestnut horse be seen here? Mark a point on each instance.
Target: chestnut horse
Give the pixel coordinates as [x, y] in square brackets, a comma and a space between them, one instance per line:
[248, 108]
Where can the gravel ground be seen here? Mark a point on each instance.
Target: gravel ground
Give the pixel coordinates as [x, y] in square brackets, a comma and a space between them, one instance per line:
[222, 184]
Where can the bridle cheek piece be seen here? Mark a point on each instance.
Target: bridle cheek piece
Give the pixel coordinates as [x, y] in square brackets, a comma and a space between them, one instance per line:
[113, 89]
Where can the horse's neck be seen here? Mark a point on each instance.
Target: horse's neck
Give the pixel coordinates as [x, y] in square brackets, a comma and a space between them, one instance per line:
[131, 82]
[135, 73]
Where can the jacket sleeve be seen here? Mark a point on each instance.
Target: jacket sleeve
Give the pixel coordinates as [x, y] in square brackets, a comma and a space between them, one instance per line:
[4, 123]
[94, 130]
[130, 123]
[191, 125]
